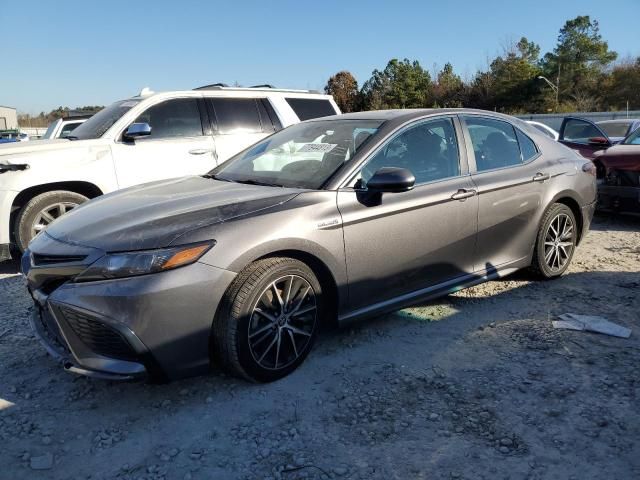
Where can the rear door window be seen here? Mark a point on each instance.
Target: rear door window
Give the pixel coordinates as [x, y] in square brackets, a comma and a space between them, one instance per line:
[236, 115]
[495, 144]
[308, 108]
[528, 149]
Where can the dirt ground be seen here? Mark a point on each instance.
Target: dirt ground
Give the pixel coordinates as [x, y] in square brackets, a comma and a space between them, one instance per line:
[477, 385]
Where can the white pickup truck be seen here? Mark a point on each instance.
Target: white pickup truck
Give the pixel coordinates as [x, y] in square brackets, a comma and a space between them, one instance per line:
[148, 137]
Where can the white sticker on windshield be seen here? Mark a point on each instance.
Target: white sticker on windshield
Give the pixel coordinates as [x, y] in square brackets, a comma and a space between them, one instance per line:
[317, 147]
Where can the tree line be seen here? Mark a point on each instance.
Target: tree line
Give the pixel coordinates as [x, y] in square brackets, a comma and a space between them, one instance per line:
[44, 119]
[580, 74]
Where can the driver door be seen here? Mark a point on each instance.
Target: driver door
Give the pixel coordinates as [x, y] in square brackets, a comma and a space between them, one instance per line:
[176, 147]
[584, 136]
[402, 242]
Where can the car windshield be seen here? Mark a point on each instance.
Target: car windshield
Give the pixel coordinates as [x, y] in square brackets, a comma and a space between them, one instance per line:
[615, 129]
[305, 155]
[633, 139]
[95, 126]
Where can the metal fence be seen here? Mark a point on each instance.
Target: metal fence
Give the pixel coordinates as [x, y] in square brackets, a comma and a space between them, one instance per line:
[554, 120]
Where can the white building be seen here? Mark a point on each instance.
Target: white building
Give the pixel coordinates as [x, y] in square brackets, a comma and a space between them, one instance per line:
[8, 118]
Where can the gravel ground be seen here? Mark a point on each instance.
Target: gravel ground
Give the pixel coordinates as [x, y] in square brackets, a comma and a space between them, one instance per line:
[476, 385]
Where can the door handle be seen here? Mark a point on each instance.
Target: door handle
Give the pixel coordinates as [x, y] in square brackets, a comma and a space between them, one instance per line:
[541, 177]
[462, 194]
[200, 151]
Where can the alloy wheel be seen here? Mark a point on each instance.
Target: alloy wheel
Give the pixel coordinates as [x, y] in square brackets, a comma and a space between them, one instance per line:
[558, 242]
[282, 322]
[49, 214]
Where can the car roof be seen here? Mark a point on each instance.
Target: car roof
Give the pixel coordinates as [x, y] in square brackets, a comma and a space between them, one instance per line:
[408, 114]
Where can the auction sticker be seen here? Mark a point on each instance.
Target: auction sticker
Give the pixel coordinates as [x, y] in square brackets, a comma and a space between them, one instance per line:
[317, 147]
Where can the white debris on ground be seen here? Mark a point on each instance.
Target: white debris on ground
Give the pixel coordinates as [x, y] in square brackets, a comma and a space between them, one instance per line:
[590, 323]
[477, 385]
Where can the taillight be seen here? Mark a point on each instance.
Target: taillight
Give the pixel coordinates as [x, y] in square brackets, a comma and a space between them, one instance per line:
[589, 168]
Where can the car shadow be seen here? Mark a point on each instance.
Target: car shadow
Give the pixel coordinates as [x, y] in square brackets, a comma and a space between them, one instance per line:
[10, 267]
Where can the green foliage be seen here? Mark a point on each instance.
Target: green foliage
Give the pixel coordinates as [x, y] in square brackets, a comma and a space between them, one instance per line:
[511, 82]
[449, 89]
[578, 59]
[402, 84]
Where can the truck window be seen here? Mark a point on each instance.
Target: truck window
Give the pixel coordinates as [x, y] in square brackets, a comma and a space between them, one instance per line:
[236, 115]
[308, 108]
[173, 118]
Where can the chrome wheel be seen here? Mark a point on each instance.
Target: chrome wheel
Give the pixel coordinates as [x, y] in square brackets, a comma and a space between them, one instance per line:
[282, 322]
[559, 242]
[49, 214]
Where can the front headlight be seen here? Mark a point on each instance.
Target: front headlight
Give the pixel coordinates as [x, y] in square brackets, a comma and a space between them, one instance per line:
[131, 264]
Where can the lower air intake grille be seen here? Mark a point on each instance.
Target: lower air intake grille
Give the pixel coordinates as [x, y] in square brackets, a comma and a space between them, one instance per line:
[99, 337]
[40, 260]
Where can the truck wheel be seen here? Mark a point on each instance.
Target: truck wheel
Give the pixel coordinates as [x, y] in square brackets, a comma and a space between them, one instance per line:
[40, 211]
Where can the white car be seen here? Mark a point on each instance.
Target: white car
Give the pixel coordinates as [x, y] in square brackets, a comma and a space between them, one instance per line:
[547, 130]
[152, 136]
[63, 127]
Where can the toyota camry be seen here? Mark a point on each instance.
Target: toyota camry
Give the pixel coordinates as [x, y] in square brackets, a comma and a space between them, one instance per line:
[327, 221]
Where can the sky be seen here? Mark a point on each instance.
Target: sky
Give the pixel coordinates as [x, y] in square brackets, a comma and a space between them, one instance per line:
[76, 53]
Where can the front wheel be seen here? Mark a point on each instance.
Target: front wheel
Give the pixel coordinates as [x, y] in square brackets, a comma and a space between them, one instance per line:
[556, 242]
[268, 319]
[40, 211]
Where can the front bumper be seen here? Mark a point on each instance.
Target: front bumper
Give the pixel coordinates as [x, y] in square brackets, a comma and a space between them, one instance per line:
[155, 326]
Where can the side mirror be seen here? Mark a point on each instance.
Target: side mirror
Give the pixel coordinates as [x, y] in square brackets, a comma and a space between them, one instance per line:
[598, 141]
[392, 180]
[136, 130]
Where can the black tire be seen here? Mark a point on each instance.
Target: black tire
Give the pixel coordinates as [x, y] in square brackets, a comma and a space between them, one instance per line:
[541, 264]
[23, 229]
[230, 337]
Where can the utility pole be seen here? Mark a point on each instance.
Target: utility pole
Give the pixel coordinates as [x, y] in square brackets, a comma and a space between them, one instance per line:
[553, 86]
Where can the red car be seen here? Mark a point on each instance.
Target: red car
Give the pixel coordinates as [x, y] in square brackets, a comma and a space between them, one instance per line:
[617, 165]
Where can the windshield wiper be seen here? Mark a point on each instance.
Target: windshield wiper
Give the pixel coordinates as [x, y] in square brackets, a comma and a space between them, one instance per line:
[251, 181]
[248, 181]
[71, 137]
[216, 177]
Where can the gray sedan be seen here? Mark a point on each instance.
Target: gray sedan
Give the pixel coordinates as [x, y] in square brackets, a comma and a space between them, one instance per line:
[330, 220]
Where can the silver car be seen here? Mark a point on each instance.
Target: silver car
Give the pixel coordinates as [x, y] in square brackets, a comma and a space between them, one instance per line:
[330, 220]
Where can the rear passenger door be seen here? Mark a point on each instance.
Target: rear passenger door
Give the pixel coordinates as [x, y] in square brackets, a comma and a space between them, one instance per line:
[177, 145]
[238, 123]
[510, 177]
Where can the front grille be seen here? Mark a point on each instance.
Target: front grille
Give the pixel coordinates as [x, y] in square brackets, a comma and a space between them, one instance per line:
[40, 260]
[97, 336]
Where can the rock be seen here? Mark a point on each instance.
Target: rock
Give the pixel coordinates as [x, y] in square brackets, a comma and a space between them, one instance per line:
[504, 449]
[340, 471]
[433, 417]
[506, 442]
[42, 462]
[46, 440]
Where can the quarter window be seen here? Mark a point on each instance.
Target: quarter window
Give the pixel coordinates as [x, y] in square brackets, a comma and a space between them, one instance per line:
[237, 115]
[173, 118]
[494, 143]
[528, 149]
[429, 150]
[308, 108]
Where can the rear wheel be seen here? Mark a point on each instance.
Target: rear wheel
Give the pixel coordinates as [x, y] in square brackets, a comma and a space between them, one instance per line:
[268, 319]
[40, 211]
[556, 242]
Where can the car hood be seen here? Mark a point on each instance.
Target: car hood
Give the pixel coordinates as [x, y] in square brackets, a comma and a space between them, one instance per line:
[620, 157]
[155, 214]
